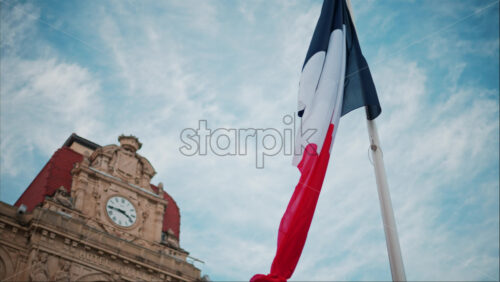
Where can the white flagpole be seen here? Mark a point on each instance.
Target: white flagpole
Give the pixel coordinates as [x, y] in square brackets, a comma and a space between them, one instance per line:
[390, 230]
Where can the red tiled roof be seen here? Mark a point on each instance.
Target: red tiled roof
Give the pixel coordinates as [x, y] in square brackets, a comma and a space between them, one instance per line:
[57, 172]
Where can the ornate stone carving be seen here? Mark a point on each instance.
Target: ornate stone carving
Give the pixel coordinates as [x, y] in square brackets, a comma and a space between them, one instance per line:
[115, 276]
[6, 265]
[63, 197]
[56, 257]
[39, 271]
[130, 142]
[124, 162]
[127, 164]
[63, 273]
[145, 215]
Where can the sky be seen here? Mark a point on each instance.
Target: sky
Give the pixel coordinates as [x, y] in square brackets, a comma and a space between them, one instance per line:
[155, 68]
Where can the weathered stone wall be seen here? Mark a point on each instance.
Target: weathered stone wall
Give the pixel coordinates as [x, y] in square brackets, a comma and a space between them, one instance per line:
[52, 245]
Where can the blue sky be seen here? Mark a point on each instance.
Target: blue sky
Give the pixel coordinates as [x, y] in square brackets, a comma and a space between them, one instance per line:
[153, 68]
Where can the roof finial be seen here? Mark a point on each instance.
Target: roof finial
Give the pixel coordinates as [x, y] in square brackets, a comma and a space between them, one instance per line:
[129, 142]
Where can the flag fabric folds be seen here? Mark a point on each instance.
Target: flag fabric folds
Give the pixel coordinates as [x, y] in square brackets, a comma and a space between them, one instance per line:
[335, 80]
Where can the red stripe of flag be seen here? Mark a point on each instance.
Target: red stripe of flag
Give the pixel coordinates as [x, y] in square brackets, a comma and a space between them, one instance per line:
[297, 219]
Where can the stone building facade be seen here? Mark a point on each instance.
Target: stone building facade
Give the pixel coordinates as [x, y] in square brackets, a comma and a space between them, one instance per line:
[92, 214]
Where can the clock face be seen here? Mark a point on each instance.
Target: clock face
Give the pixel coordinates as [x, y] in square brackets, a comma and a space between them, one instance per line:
[121, 211]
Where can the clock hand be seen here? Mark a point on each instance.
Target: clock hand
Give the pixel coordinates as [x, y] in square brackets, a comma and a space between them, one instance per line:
[129, 218]
[124, 213]
[120, 210]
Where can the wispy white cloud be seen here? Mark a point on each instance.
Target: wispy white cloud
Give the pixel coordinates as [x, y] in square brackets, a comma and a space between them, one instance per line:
[17, 25]
[43, 99]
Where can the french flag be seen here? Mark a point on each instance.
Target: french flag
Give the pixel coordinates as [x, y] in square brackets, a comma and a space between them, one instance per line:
[335, 80]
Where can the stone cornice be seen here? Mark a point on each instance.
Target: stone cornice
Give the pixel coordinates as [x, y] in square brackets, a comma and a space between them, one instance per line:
[46, 227]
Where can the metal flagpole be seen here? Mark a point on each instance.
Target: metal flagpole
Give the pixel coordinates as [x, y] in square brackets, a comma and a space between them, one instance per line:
[390, 230]
[391, 233]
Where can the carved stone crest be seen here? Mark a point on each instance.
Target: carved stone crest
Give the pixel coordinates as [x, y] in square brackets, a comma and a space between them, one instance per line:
[63, 197]
[127, 164]
[124, 162]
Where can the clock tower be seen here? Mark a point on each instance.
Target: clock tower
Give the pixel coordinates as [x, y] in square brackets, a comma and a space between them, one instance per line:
[93, 214]
[112, 188]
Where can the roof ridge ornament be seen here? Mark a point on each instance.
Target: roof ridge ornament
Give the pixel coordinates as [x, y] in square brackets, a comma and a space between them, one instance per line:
[129, 142]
